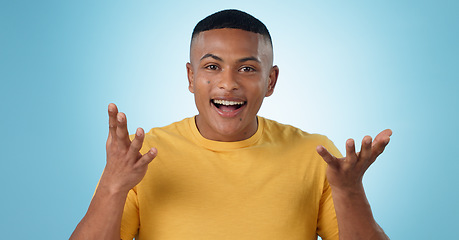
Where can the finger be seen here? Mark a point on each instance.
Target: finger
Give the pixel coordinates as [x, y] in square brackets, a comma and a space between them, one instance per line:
[328, 158]
[122, 131]
[351, 156]
[383, 136]
[112, 122]
[379, 146]
[147, 158]
[365, 151]
[137, 142]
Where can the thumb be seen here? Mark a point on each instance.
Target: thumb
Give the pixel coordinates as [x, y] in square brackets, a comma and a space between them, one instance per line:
[327, 157]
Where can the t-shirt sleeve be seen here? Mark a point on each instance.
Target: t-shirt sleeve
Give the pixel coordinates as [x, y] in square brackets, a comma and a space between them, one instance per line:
[130, 220]
[327, 224]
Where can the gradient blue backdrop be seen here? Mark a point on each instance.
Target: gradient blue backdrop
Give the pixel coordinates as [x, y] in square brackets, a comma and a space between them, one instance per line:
[347, 69]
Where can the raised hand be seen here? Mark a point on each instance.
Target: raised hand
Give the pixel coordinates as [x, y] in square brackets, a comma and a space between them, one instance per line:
[347, 173]
[125, 168]
[125, 165]
[353, 212]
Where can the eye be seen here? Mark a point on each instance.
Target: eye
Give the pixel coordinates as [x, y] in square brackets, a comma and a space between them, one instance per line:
[211, 67]
[247, 69]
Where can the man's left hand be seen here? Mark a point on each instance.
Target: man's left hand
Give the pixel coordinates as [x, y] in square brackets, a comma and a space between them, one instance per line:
[346, 173]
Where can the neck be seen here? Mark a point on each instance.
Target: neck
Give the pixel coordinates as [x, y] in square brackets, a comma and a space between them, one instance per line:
[226, 133]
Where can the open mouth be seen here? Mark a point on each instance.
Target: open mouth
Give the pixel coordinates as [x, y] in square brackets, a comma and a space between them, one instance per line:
[227, 106]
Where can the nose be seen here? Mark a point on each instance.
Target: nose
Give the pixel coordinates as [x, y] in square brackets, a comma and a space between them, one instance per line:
[228, 81]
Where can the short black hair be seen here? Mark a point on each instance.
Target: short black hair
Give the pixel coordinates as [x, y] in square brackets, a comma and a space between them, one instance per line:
[232, 18]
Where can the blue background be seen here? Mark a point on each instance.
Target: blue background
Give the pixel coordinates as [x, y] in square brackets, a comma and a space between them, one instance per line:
[347, 69]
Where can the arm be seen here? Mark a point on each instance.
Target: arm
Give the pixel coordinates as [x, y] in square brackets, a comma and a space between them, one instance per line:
[353, 212]
[124, 169]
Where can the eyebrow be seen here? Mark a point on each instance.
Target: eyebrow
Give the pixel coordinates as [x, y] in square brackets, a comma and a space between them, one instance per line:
[210, 55]
[249, 59]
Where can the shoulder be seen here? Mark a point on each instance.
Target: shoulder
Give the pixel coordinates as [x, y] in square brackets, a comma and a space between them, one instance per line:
[297, 148]
[180, 127]
[287, 133]
[174, 133]
[289, 137]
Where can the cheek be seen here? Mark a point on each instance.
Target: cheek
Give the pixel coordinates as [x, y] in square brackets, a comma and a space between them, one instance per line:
[202, 89]
[257, 93]
[201, 80]
[259, 89]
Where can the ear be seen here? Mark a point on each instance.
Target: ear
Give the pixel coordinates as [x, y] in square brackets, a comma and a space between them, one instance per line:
[272, 80]
[189, 72]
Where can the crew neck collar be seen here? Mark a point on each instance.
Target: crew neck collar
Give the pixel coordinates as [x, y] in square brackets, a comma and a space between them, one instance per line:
[225, 146]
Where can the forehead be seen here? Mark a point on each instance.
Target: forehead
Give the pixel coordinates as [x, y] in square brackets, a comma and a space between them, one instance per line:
[231, 42]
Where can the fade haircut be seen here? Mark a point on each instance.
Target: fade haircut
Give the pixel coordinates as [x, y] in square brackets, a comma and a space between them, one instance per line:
[234, 19]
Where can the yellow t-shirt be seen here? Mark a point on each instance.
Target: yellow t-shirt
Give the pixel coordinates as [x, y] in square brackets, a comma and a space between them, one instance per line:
[270, 186]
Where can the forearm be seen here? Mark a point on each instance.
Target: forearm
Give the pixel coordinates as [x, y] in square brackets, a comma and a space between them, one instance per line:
[103, 218]
[355, 219]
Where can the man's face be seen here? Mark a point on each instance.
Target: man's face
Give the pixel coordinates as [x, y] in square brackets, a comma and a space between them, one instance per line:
[230, 74]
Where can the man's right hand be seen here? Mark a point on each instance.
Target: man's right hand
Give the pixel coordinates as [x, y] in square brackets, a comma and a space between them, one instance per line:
[125, 165]
[125, 168]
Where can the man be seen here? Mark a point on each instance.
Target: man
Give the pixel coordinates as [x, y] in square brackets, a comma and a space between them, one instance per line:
[227, 173]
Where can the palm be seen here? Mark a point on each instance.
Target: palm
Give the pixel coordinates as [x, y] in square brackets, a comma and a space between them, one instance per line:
[347, 172]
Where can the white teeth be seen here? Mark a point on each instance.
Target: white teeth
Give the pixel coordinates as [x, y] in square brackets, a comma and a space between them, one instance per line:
[227, 103]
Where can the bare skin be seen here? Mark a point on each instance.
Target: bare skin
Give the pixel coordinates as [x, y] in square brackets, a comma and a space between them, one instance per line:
[124, 169]
[355, 219]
